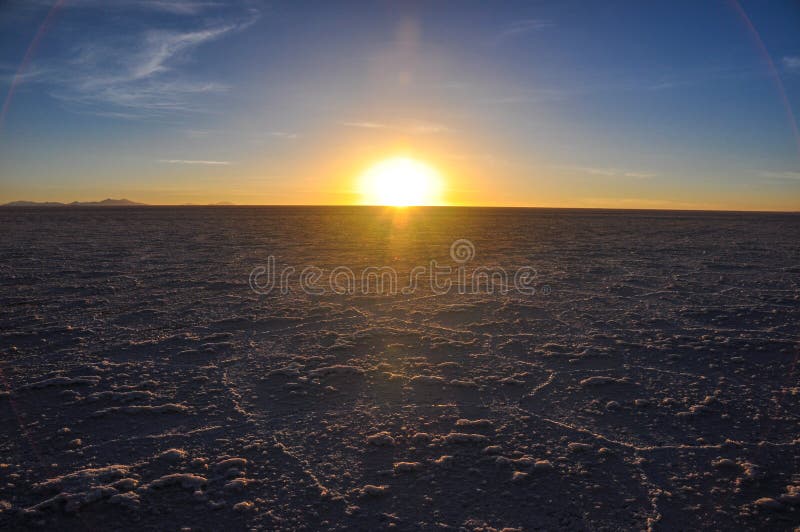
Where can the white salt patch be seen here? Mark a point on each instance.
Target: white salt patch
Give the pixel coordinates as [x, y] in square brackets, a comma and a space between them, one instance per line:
[184, 480]
[144, 409]
[229, 463]
[461, 437]
[725, 463]
[375, 491]
[381, 439]
[85, 477]
[336, 370]
[421, 437]
[576, 447]
[290, 370]
[126, 484]
[130, 499]
[426, 379]
[445, 460]
[244, 506]
[173, 455]
[80, 488]
[768, 503]
[88, 380]
[518, 476]
[407, 467]
[237, 484]
[523, 461]
[474, 423]
[125, 397]
[600, 380]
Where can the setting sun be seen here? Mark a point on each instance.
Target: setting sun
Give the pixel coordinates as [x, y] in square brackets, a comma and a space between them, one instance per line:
[401, 182]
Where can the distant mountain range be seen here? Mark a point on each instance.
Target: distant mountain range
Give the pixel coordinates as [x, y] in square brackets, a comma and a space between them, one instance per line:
[105, 203]
[109, 202]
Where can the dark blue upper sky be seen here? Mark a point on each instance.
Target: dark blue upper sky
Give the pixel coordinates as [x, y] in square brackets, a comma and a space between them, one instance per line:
[639, 104]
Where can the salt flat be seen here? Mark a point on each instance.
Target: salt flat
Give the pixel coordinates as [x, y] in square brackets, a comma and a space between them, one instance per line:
[651, 381]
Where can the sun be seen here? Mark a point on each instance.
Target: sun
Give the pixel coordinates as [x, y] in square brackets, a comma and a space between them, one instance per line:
[401, 182]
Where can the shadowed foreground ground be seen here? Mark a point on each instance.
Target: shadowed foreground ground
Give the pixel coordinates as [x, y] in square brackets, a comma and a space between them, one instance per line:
[145, 386]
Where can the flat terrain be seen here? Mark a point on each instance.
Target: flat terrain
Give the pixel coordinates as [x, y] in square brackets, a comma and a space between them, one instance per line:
[650, 382]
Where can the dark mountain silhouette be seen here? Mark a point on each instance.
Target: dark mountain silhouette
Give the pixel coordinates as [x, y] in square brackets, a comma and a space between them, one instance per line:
[108, 202]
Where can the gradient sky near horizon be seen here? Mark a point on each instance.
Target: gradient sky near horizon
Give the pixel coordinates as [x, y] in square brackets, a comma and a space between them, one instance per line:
[679, 104]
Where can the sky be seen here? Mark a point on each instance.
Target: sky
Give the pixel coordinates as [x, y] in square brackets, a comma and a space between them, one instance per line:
[677, 105]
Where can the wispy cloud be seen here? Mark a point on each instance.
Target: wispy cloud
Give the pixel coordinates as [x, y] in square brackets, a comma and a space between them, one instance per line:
[783, 176]
[597, 171]
[428, 128]
[140, 75]
[517, 29]
[521, 27]
[163, 46]
[366, 125]
[791, 62]
[286, 135]
[8, 74]
[609, 172]
[639, 175]
[191, 161]
[522, 97]
[414, 128]
[140, 100]
[177, 7]
[189, 7]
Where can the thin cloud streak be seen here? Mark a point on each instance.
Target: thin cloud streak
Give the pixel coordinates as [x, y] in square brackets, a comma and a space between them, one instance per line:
[791, 62]
[174, 7]
[791, 176]
[609, 172]
[639, 175]
[522, 27]
[191, 161]
[417, 128]
[366, 125]
[286, 135]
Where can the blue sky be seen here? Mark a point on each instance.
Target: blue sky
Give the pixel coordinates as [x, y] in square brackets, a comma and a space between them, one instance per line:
[586, 104]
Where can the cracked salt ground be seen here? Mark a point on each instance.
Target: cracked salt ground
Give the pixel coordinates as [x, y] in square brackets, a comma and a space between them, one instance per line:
[145, 386]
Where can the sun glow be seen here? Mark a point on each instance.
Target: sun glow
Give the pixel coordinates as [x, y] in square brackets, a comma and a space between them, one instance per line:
[401, 182]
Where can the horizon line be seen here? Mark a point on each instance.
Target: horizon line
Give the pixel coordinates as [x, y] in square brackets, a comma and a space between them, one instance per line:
[134, 205]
